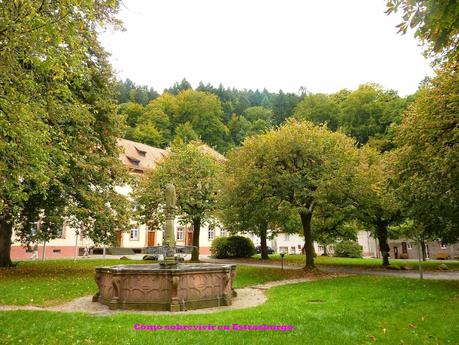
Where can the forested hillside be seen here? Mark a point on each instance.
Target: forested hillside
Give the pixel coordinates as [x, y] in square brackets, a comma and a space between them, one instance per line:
[224, 117]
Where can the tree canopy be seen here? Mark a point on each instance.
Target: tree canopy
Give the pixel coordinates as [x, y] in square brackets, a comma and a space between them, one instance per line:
[427, 169]
[59, 128]
[194, 174]
[299, 167]
[436, 24]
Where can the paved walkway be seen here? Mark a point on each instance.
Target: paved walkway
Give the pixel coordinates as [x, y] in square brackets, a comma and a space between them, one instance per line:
[434, 275]
[247, 297]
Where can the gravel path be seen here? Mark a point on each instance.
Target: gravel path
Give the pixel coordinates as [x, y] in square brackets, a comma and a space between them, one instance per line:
[246, 298]
[433, 275]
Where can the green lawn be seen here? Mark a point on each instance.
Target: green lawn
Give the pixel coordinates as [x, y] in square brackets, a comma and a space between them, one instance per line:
[373, 263]
[46, 283]
[349, 310]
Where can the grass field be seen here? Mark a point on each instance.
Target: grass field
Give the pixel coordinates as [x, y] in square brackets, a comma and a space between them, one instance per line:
[356, 262]
[349, 310]
[46, 283]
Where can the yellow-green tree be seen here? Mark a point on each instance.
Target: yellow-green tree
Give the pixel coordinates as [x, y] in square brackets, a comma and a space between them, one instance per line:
[428, 155]
[58, 121]
[299, 167]
[194, 174]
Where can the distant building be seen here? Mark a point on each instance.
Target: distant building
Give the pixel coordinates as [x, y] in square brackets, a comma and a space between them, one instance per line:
[139, 158]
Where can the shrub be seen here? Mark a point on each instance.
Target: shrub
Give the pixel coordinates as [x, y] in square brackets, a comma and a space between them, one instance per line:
[348, 249]
[232, 247]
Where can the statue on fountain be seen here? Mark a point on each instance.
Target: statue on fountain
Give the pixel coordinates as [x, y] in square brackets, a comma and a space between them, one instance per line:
[167, 286]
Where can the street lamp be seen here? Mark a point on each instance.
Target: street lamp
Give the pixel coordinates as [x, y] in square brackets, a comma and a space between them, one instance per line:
[282, 254]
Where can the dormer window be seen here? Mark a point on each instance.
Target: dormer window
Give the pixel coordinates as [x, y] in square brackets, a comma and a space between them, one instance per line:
[133, 161]
[141, 152]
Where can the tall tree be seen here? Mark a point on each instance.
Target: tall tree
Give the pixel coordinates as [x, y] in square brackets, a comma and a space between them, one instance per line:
[369, 111]
[319, 109]
[378, 207]
[299, 167]
[204, 112]
[179, 87]
[59, 128]
[242, 205]
[131, 112]
[282, 105]
[195, 176]
[426, 164]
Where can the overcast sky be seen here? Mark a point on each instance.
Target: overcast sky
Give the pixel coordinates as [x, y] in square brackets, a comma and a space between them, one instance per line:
[323, 45]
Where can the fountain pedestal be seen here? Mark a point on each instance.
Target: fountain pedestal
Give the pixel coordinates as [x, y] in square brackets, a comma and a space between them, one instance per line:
[152, 287]
[169, 285]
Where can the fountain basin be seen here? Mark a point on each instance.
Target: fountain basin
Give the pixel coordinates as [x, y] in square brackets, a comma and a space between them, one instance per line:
[152, 287]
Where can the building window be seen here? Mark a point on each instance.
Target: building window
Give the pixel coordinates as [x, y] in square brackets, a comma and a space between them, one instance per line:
[283, 249]
[292, 249]
[409, 245]
[141, 152]
[134, 235]
[223, 232]
[404, 248]
[211, 233]
[179, 234]
[63, 229]
[133, 161]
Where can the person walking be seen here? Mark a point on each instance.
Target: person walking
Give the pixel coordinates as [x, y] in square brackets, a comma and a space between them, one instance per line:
[35, 252]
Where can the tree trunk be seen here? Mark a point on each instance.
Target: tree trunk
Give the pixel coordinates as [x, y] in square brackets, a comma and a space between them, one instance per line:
[6, 230]
[325, 250]
[308, 242]
[381, 232]
[196, 231]
[263, 236]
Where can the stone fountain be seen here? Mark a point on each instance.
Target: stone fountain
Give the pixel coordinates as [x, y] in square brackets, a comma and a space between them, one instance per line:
[168, 285]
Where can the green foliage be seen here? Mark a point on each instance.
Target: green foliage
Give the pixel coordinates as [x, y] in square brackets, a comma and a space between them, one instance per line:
[436, 23]
[204, 112]
[194, 175]
[377, 204]
[159, 119]
[233, 115]
[232, 247]
[239, 128]
[427, 177]
[127, 91]
[282, 105]
[132, 112]
[369, 111]
[179, 87]
[146, 133]
[319, 109]
[289, 171]
[348, 249]
[184, 133]
[259, 113]
[58, 148]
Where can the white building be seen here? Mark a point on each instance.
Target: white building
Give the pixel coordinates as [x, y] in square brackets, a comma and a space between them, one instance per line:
[139, 158]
